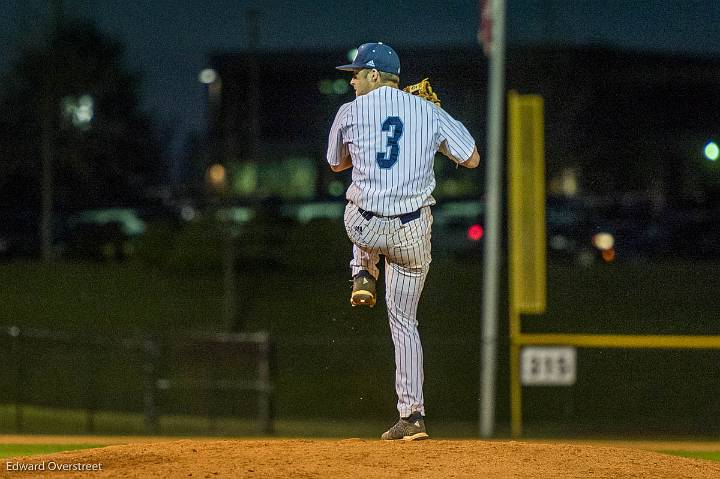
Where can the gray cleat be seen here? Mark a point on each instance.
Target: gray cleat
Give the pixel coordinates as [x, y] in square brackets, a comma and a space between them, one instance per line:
[363, 293]
[411, 428]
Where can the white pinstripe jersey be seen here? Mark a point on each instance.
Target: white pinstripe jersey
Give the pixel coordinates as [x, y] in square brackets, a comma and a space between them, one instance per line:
[392, 137]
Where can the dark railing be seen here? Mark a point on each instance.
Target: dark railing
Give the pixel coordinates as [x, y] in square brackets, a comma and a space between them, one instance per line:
[193, 367]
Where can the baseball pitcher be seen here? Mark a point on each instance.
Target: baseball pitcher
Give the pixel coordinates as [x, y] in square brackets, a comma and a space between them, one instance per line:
[390, 137]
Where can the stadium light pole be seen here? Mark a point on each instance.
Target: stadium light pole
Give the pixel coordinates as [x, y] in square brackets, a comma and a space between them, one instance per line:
[493, 195]
[49, 112]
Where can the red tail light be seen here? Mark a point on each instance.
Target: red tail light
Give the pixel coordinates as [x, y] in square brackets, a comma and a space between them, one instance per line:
[475, 232]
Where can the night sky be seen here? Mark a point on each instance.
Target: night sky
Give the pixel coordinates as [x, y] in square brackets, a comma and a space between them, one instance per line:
[169, 41]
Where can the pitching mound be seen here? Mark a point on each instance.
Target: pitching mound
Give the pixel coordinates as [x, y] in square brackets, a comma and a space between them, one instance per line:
[355, 458]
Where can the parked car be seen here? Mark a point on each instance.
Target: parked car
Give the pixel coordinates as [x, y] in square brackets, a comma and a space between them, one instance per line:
[102, 234]
[459, 228]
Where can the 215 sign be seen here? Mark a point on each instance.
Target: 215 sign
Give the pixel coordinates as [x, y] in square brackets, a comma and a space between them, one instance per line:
[548, 366]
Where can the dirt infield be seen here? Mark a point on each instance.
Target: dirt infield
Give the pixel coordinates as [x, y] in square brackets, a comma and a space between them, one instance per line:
[356, 458]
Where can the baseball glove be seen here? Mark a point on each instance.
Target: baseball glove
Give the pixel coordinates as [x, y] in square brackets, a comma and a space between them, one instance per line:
[423, 90]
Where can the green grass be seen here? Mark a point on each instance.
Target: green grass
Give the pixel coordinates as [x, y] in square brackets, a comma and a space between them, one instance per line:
[709, 455]
[48, 420]
[336, 363]
[106, 297]
[72, 422]
[13, 450]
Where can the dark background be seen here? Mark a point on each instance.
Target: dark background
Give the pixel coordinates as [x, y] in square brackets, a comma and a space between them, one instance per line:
[186, 208]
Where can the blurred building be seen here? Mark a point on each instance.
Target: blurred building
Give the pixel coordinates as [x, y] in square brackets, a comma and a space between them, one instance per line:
[615, 121]
[280, 121]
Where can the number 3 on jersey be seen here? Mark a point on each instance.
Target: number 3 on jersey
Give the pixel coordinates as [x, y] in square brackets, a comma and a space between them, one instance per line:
[394, 125]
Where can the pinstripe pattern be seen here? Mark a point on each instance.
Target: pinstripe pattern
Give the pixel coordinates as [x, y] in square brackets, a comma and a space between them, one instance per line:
[408, 184]
[406, 248]
[404, 187]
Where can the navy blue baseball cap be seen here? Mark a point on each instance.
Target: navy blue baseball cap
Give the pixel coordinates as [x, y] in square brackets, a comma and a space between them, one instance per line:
[375, 55]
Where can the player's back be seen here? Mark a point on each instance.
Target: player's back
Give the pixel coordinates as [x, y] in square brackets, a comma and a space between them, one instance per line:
[392, 137]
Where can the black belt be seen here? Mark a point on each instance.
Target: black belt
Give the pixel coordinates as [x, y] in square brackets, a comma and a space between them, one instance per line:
[406, 218]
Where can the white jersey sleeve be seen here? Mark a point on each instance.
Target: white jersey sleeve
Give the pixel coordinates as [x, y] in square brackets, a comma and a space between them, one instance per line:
[335, 140]
[460, 144]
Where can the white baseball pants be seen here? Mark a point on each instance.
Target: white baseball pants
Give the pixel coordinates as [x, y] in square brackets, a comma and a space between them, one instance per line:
[406, 247]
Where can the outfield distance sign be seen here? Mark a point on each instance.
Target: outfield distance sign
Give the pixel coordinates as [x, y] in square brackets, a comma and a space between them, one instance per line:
[548, 366]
